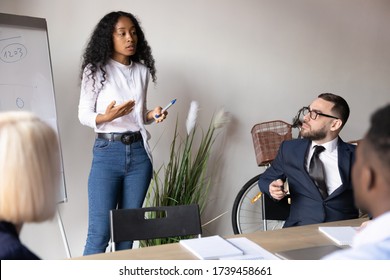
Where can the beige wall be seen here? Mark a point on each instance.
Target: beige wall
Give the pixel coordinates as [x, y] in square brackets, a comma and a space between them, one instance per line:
[259, 59]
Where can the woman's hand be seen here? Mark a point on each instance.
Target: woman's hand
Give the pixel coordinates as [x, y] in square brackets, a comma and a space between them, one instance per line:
[157, 112]
[113, 112]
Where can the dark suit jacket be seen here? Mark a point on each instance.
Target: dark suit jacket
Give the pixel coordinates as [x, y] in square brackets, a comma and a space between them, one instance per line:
[10, 246]
[307, 205]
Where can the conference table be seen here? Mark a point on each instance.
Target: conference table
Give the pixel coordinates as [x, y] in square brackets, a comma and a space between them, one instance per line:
[273, 241]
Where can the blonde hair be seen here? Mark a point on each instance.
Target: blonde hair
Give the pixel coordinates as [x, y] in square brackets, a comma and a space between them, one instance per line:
[29, 168]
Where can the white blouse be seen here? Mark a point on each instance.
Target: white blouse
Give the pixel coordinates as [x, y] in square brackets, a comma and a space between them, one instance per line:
[123, 82]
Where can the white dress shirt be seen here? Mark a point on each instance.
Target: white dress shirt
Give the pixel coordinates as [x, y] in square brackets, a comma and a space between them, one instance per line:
[329, 157]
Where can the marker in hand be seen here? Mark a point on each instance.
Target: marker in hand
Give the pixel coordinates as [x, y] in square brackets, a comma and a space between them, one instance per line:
[166, 108]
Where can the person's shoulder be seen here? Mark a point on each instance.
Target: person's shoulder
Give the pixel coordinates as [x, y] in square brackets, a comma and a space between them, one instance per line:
[13, 249]
[91, 68]
[347, 145]
[296, 142]
[18, 253]
[141, 69]
[87, 69]
[139, 65]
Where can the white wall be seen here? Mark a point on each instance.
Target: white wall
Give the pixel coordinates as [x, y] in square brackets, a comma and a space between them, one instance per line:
[259, 59]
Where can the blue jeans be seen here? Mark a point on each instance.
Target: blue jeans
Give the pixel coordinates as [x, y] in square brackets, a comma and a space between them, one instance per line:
[119, 178]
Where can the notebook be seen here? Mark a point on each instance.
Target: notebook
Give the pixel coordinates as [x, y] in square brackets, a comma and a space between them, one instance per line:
[211, 247]
[310, 253]
[252, 251]
[342, 236]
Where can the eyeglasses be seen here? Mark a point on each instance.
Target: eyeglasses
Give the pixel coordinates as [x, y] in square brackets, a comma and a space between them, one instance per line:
[313, 114]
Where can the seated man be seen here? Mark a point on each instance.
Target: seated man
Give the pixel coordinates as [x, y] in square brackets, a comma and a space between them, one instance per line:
[318, 167]
[371, 177]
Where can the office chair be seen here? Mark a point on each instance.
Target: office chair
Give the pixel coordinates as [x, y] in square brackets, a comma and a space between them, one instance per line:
[154, 222]
[276, 211]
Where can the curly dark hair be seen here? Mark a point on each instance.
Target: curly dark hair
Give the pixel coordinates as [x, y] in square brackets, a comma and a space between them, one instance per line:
[100, 46]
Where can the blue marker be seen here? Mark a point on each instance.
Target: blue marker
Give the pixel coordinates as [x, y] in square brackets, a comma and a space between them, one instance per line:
[166, 107]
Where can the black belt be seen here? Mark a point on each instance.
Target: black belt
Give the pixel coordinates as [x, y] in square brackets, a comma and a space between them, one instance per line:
[126, 138]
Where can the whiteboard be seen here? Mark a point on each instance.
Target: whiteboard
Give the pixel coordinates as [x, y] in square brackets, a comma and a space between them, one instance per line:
[26, 81]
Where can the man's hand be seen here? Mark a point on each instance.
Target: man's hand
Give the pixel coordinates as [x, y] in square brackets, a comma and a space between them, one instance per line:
[276, 189]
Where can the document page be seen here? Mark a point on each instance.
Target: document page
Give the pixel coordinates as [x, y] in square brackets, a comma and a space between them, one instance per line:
[342, 236]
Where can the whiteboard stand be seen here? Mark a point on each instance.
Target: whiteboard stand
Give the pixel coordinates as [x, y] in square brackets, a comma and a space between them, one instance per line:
[26, 80]
[64, 239]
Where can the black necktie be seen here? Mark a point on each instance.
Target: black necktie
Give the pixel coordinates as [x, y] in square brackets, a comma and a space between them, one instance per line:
[316, 171]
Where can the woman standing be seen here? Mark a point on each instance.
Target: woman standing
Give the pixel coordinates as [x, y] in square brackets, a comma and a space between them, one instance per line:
[116, 67]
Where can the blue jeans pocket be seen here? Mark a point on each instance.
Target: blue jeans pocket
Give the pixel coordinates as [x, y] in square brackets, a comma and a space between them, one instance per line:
[101, 144]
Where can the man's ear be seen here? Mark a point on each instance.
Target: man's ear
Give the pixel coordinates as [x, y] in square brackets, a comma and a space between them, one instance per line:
[370, 175]
[336, 124]
[367, 179]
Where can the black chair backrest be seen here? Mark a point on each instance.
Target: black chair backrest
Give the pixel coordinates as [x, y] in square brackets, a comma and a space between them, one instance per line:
[155, 222]
[275, 210]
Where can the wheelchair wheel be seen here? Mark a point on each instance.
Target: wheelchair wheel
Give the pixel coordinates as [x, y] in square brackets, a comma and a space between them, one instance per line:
[247, 215]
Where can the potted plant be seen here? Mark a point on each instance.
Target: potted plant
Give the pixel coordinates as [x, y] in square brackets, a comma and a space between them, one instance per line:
[184, 179]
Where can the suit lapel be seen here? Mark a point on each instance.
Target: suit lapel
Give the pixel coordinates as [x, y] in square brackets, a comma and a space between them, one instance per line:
[299, 155]
[298, 159]
[345, 161]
